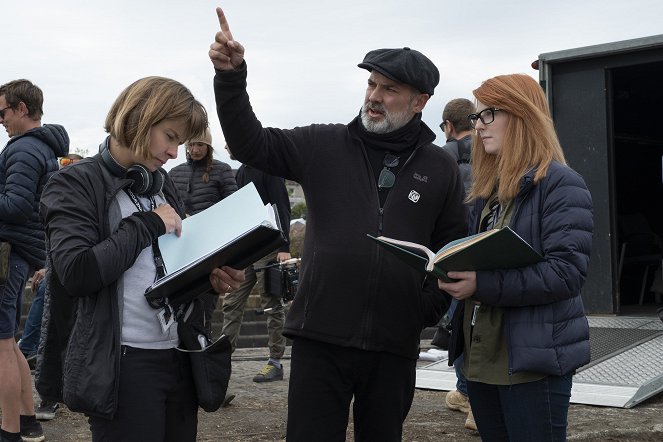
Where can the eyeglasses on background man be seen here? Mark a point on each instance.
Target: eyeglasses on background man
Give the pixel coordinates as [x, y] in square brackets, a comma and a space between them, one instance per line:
[2, 111]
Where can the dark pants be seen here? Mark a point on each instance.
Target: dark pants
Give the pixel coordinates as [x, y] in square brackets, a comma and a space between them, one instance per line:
[533, 411]
[324, 379]
[156, 401]
[32, 329]
[461, 382]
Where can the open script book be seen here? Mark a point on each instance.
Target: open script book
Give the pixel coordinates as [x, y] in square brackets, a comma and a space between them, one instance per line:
[236, 231]
[490, 250]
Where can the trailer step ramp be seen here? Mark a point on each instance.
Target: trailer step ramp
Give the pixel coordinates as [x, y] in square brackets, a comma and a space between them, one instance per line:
[626, 365]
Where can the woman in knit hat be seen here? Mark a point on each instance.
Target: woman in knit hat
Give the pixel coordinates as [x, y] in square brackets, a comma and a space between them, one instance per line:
[202, 181]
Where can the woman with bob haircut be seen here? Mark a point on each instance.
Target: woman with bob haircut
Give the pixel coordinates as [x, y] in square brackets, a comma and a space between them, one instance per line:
[524, 330]
[102, 218]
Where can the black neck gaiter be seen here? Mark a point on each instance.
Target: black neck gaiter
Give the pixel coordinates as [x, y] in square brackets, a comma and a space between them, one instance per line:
[399, 143]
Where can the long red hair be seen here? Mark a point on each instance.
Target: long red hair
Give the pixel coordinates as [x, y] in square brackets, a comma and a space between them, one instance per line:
[530, 140]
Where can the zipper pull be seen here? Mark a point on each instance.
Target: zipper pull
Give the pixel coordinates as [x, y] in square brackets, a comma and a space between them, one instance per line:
[474, 314]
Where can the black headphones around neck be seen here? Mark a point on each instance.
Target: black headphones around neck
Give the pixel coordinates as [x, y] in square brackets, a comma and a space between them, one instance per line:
[145, 183]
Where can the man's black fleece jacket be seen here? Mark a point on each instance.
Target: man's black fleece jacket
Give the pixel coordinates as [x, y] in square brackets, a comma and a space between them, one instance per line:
[352, 292]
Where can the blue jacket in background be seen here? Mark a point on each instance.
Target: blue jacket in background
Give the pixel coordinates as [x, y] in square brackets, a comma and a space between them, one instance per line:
[26, 163]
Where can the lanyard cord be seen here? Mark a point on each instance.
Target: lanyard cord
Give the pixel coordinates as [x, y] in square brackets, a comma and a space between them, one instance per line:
[158, 258]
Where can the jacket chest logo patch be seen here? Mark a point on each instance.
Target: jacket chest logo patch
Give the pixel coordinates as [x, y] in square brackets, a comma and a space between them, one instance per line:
[422, 178]
[414, 196]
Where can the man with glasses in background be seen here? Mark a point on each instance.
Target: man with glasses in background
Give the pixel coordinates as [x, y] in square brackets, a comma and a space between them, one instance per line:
[26, 163]
[456, 127]
[357, 317]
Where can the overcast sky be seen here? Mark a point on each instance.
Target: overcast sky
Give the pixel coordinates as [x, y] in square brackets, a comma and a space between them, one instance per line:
[302, 55]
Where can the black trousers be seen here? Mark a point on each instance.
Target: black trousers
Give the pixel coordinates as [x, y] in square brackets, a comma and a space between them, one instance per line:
[325, 378]
[156, 400]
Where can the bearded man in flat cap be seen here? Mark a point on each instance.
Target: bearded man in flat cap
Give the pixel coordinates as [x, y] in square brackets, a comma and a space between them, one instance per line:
[357, 317]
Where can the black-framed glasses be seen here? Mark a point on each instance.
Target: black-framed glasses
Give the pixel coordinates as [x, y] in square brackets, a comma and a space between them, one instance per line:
[2, 111]
[442, 124]
[486, 116]
[387, 177]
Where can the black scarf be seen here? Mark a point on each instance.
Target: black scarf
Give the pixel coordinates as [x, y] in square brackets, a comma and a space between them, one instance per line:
[400, 140]
[400, 143]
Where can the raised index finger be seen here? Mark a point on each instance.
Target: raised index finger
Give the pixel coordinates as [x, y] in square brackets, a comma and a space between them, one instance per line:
[224, 24]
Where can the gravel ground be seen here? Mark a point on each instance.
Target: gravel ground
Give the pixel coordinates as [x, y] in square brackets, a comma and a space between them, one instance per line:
[258, 413]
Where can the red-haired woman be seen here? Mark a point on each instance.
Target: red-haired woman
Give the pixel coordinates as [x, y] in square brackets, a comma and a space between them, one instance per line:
[524, 329]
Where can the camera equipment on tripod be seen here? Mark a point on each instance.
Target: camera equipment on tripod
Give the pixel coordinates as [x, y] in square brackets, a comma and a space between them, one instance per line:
[282, 279]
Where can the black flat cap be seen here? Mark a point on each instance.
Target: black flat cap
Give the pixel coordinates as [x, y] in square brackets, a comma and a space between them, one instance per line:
[405, 66]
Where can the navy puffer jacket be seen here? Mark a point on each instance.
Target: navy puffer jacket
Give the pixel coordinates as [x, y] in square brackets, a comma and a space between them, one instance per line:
[26, 164]
[546, 329]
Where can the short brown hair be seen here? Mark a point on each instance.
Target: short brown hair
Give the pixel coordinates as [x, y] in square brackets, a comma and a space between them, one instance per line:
[25, 91]
[147, 102]
[456, 111]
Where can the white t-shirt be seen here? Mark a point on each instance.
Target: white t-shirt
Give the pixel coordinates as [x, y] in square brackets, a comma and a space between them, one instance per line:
[140, 323]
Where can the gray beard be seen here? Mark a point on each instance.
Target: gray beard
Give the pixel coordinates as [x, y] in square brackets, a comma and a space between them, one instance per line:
[390, 123]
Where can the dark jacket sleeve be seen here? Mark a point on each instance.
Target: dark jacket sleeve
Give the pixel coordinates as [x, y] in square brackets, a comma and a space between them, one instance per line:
[173, 196]
[279, 152]
[73, 210]
[278, 195]
[556, 219]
